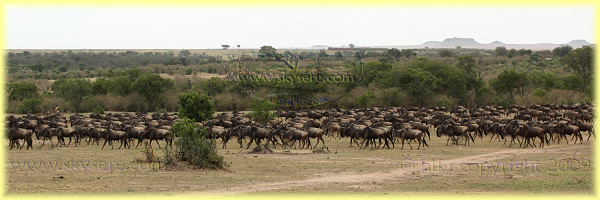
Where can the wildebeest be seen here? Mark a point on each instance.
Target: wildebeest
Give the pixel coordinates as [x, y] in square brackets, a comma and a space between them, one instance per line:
[15, 134]
[46, 133]
[372, 133]
[157, 134]
[412, 134]
[62, 132]
[531, 132]
[109, 135]
[314, 133]
[453, 130]
[290, 135]
[257, 133]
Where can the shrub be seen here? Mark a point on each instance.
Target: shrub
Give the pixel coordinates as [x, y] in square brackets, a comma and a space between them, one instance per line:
[30, 106]
[197, 107]
[262, 110]
[99, 110]
[193, 147]
[539, 92]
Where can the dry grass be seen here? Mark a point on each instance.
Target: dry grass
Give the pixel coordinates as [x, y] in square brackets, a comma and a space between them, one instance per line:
[380, 171]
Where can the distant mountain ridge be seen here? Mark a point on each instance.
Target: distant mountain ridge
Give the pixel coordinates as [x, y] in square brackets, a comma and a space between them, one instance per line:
[472, 44]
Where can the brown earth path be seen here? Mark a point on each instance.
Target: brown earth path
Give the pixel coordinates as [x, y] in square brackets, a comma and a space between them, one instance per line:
[382, 176]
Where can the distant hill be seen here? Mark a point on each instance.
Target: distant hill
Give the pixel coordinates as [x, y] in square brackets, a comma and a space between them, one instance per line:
[472, 44]
[578, 43]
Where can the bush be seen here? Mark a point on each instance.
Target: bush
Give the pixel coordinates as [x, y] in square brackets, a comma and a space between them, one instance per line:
[30, 106]
[262, 110]
[197, 107]
[99, 110]
[193, 147]
[540, 92]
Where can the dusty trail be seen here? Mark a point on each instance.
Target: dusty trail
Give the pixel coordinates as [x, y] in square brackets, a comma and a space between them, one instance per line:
[387, 175]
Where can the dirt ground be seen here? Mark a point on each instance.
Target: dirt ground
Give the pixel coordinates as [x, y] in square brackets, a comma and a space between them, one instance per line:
[484, 167]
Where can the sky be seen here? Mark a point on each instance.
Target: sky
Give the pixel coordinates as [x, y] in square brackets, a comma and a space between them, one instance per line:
[209, 27]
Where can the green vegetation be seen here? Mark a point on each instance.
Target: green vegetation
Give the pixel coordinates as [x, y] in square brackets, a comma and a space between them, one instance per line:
[197, 107]
[152, 81]
[261, 110]
[193, 147]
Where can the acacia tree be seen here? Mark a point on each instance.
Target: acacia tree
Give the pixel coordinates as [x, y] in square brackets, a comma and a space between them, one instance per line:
[288, 58]
[580, 60]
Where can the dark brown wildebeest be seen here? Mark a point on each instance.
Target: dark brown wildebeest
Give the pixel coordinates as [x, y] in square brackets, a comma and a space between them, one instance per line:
[422, 127]
[410, 135]
[132, 132]
[46, 133]
[314, 133]
[453, 130]
[564, 129]
[239, 132]
[15, 134]
[109, 135]
[290, 135]
[372, 133]
[158, 134]
[62, 132]
[531, 132]
[91, 133]
[586, 127]
[257, 133]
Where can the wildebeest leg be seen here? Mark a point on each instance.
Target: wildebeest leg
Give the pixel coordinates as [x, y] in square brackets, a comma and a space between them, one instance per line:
[139, 142]
[409, 141]
[249, 143]
[590, 133]
[224, 141]
[104, 143]
[402, 144]
[43, 141]
[156, 142]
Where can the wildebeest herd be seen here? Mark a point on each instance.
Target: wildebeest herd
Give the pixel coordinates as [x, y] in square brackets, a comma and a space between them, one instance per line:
[122, 127]
[369, 127]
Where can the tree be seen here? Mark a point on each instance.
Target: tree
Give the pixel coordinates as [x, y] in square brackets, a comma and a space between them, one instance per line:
[512, 53]
[338, 55]
[467, 63]
[509, 80]
[225, 46]
[268, 52]
[580, 60]
[445, 53]
[407, 53]
[501, 51]
[562, 51]
[395, 53]
[120, 85]
[197, 107]
[62, 68]
[288, 58]
[184, 53]
[73, 90]
[151, 86]
[20, 91]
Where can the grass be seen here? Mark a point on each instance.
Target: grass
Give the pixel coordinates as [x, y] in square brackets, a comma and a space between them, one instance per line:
[263, 169]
